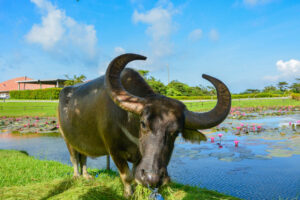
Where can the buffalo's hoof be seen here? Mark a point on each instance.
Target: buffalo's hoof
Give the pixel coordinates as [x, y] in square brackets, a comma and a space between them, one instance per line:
[76, 176]
[166, 180]
[87, 176]
[127, 191]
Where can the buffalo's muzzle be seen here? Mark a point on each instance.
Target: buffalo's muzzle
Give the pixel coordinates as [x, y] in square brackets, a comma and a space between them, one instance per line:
[151, 178]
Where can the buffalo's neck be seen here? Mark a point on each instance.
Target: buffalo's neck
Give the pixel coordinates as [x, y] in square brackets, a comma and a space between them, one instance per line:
[119, 127]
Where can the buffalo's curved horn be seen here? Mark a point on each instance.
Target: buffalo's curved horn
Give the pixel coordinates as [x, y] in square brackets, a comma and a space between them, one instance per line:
[114, 87]
[215, 116]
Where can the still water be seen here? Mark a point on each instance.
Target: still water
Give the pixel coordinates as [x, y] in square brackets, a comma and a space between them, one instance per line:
[264, 165]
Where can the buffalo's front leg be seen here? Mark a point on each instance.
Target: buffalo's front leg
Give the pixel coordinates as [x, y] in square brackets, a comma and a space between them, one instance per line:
[125, 174]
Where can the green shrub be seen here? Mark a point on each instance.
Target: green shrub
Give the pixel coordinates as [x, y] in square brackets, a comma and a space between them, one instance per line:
[255, 95]
[296, 96]
[49, 93]
[233, 96]
[193, 97]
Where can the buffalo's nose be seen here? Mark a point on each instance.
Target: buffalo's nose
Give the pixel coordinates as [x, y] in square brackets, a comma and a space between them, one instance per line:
[151, 179]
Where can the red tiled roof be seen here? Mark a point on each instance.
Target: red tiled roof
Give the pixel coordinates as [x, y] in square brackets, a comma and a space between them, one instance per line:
[13, 85]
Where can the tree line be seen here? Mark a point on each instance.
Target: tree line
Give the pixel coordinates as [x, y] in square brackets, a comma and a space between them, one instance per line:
[177, 88]
[280, 88]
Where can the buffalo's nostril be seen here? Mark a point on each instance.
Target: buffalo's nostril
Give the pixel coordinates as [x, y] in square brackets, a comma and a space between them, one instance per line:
[152, 179]
[142, 174]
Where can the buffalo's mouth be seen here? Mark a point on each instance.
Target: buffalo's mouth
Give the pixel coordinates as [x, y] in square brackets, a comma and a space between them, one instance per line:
[152, 178]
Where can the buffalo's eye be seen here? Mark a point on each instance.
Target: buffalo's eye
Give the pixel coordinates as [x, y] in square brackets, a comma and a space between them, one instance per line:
[143, 124]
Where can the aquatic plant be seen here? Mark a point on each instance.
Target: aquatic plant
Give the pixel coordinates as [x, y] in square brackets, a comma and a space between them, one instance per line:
[236, 142]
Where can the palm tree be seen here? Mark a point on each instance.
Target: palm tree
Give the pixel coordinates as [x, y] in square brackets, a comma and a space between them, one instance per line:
[282, 86]
[75, 80]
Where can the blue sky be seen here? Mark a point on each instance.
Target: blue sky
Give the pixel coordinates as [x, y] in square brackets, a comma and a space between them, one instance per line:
[245, 43]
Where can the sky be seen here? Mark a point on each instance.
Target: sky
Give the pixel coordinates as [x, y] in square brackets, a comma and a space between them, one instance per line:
[248, 44]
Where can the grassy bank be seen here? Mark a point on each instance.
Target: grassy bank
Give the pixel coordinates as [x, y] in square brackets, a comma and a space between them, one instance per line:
[205, 106]
[24, 177]
[17, 109]
[50, 108]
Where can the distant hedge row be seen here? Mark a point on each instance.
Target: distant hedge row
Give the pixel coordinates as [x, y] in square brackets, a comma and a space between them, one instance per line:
[49, 93]
[233, 96]
[53, 93]
[258, 95]
[296, 96]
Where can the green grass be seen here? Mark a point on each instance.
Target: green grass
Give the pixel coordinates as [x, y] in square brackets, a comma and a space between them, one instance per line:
[49, 134]
[18, 109]
[207, 105]
[24, 177]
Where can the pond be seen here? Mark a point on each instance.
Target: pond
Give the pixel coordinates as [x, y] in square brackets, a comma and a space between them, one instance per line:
[264, 164]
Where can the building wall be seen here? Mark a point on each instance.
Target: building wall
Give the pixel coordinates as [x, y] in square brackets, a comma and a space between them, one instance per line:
[13, 85]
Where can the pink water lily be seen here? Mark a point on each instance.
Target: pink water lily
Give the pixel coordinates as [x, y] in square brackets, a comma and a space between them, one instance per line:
[236, 142]
[212, 139]
[220, 135]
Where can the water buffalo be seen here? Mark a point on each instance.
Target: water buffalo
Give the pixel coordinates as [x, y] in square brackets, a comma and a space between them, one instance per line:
[120, 115]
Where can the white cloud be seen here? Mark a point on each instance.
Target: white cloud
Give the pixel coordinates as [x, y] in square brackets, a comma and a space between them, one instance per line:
[287, 70]
[61, 35]
[119, 50]
[256, 2]
[160, 28]
[195, 34]
[159, 19]
[214, 35]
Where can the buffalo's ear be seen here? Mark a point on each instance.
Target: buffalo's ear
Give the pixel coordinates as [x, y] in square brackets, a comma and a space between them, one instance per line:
[193, 136]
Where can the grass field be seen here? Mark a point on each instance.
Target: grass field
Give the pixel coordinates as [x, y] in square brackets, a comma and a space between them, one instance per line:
[24, 177]
[205, 106]
[40, 109]
[50, 108]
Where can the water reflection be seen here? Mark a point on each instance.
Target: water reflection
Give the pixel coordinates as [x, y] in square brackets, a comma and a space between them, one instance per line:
[264, 165]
